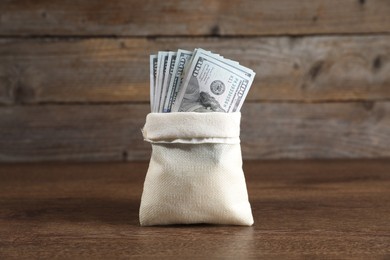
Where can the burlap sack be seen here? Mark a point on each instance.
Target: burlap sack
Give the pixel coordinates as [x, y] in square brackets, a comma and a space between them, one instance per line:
[195, 173]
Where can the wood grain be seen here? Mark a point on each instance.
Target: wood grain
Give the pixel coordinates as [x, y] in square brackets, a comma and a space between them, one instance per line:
[200, 17]
[268, 131]
[302, 209]
[75, 133]
[310, 69]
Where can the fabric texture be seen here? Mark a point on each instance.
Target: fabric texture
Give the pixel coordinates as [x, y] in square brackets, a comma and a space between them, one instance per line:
[195, 173]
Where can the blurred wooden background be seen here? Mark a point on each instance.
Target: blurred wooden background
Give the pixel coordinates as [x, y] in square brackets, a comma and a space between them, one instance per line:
[74, 74]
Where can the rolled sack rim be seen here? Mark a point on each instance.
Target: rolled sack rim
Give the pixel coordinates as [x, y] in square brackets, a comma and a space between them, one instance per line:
[192, 127]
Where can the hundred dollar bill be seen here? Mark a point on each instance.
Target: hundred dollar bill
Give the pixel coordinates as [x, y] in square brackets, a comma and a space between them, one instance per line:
[153, 74]
[167, 78]
[181, 90]
[182, 58]
[214, 84]
[162, 60]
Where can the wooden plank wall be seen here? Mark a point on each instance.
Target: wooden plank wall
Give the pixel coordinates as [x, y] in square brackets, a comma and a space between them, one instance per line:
[74, 74]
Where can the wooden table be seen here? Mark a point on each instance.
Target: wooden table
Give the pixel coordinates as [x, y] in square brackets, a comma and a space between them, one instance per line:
[336, 209]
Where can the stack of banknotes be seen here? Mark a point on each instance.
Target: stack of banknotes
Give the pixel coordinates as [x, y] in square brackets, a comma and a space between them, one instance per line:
[197, 81]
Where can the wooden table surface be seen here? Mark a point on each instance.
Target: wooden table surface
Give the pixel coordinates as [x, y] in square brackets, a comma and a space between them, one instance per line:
[335, 209]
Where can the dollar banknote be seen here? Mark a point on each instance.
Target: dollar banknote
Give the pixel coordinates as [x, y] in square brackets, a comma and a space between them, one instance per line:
[213, 83]
[162, 62]
[167, 78]
[153, 75]
[182, 59]
[198, 81]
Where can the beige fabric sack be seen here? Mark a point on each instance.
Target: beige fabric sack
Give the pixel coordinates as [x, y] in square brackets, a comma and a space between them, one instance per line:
[195, 173]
